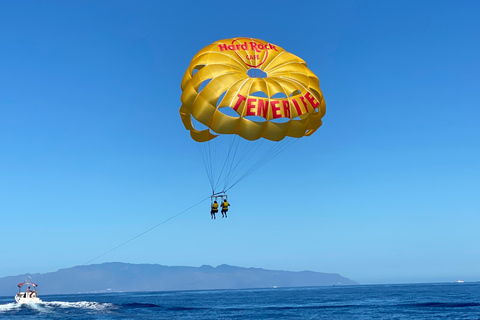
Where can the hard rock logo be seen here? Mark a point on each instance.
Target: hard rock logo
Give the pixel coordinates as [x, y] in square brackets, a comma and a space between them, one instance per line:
[252, 53]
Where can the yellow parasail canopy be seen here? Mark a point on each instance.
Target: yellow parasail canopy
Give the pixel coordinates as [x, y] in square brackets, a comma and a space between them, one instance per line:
[270, 91]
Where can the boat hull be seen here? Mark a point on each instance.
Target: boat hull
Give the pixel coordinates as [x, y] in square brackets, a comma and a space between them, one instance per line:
[27, 300]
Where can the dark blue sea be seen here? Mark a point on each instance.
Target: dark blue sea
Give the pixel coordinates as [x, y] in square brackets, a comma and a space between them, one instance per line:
[414, 301]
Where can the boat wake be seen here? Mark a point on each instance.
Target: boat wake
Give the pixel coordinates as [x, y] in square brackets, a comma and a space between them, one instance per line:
[9, 307]
[79, 305]
[50, 306]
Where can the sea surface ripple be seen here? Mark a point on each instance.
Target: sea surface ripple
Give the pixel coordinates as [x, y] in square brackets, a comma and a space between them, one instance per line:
[413, 301]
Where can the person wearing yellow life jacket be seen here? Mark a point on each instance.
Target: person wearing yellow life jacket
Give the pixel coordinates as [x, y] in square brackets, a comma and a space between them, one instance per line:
[225, 206]
[214, 209]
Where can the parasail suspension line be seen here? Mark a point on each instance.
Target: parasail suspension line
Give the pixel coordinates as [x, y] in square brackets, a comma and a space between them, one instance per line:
[144, 232]
[133, 238]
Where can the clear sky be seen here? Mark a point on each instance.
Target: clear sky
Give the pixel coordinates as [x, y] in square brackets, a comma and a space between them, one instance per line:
[93, 152]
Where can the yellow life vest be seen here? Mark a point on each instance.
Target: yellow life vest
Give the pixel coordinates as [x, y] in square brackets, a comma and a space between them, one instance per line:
[215, 206]
[225, 205]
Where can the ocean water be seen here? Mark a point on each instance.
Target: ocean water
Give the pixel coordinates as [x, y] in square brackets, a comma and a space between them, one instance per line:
[415, 301]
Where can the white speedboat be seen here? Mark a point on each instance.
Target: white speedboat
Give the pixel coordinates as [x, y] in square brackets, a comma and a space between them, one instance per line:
[30, 295]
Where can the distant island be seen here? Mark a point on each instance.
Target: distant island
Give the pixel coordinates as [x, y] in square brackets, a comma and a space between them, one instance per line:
[126, 277]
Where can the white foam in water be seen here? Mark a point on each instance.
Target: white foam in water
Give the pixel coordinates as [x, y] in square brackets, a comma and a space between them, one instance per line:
[48, 306]
[37, 306]
[79, 304]
[9, 307]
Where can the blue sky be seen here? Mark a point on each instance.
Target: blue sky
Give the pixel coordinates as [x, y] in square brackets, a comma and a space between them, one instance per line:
[93, 152]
